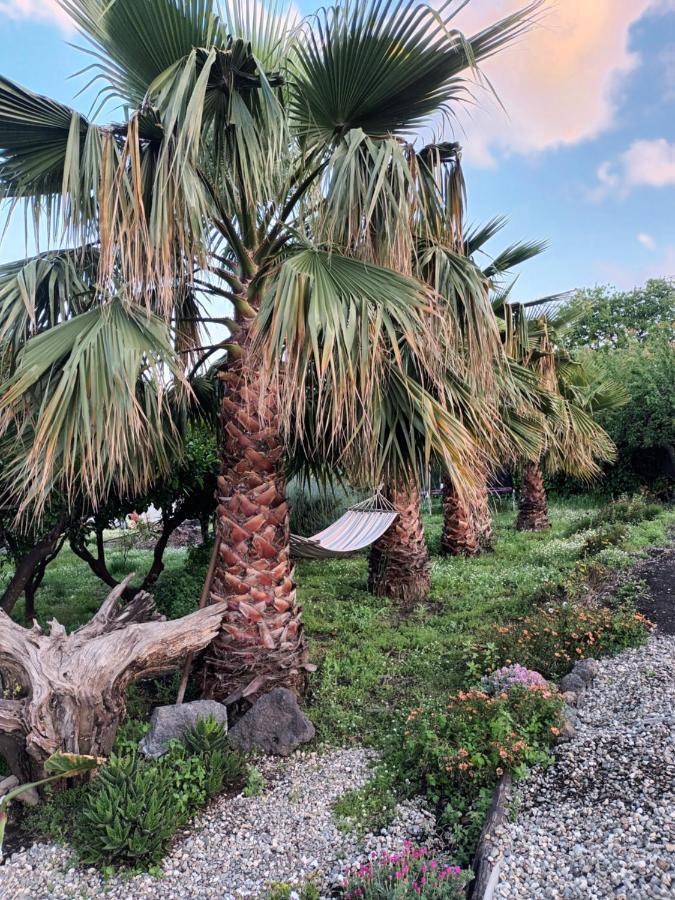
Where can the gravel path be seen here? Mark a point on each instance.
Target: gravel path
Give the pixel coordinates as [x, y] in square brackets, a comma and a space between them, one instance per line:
[601, 822]
[239, 845]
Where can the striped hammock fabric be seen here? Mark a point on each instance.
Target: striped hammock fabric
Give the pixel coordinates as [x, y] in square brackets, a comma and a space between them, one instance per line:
[359, 527]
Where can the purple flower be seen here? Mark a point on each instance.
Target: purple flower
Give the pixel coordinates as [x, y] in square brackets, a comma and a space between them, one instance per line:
[505, 678]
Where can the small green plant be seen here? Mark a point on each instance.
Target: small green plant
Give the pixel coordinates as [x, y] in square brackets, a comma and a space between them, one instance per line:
[279, 890]
[255, 782]
[129, 815]
[369, 808]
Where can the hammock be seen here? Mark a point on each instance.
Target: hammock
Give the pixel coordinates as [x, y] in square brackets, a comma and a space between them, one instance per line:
[359, 527]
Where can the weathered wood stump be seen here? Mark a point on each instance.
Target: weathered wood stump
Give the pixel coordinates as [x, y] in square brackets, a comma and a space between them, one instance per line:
[68, 692]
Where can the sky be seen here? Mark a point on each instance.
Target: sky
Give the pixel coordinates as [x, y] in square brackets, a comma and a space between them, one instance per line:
[579, 151]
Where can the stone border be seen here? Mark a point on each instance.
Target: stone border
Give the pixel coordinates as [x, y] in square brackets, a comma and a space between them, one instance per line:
[486, 868]
[486, 871]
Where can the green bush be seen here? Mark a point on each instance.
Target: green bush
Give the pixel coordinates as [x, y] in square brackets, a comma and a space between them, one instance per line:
[612, 535]
[455, 753]
[552, 638]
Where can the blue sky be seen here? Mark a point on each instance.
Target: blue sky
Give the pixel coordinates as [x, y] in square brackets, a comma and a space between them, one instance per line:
[585, 158]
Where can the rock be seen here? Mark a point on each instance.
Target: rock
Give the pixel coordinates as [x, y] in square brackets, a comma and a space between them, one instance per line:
[8, 784]
[571, 682]
[567, 732]
[274, 724]
[169, 723]
[30, 797]
[570, 697]
[586, 669]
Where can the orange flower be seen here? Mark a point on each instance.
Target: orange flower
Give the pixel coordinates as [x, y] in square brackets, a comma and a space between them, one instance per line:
[555, 730]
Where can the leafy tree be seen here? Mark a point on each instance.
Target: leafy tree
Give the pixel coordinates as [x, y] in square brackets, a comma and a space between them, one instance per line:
[607, 318]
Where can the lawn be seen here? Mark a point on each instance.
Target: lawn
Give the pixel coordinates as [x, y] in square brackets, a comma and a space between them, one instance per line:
[375, 659]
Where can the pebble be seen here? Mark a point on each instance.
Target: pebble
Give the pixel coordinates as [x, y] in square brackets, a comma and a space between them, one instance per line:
[240, 845]
[600, 823]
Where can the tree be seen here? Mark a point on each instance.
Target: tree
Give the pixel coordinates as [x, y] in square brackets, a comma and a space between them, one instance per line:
[187, 493]
[607, 319]
[253, 166]
[571, 393]
[467, 522]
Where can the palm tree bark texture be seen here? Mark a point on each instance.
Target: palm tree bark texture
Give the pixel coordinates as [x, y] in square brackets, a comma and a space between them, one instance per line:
[399, 565]
[261, 644]
[532, 503]
[459, 537]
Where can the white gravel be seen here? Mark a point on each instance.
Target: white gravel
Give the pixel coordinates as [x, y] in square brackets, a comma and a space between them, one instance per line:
[601, 822]
[239, 845]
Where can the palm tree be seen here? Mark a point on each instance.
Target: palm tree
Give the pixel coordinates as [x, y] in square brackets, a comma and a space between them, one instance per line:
[573, 391]
[263, 164]
[467, 521]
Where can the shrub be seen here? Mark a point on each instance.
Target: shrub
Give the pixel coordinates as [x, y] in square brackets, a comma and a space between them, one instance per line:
[455, 754]
[412, 873]
[611, 535]
[550, 640]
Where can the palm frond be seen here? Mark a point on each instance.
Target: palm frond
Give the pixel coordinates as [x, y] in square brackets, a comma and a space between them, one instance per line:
[133, 43]
[38, 292]
[89, 405]
[386, 66]
[329, 323]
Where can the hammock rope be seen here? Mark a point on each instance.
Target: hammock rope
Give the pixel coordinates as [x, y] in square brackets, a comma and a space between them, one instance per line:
[359, 527]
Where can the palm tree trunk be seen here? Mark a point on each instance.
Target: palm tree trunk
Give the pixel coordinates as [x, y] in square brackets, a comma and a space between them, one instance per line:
[399, 560]
[481, 517]
[459, 535]
[532, 503]
[261, 644]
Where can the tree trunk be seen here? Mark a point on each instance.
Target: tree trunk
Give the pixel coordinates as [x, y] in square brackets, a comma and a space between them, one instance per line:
[459, 536]
[399, 560]
[68, 692]
[481, 516]
[532, 504]
[27, 564]
[261, 644]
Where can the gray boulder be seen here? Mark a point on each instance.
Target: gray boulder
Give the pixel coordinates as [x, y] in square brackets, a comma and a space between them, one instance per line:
[571, 682]
[169, 723]
[274, 724]
[586, 669]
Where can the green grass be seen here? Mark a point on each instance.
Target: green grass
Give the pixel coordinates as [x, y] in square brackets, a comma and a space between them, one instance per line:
[375, 662]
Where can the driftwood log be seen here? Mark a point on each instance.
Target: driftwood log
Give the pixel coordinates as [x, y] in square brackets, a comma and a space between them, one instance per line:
[68, 692]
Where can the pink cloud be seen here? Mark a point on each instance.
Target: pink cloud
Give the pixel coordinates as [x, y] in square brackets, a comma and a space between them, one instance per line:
[646, 163]
[36, 11]
[559, 83]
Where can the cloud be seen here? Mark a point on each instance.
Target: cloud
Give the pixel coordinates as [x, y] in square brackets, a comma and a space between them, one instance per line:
[560, 82]
[647, 240]
[36, 11]
[646, 163]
